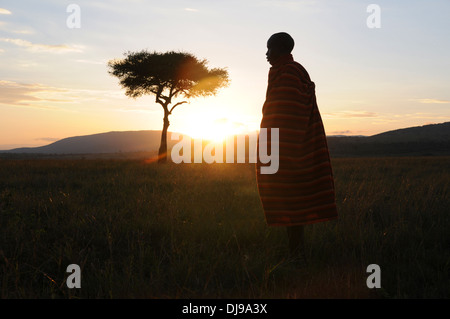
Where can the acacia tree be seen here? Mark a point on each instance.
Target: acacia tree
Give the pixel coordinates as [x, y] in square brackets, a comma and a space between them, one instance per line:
[168, 76]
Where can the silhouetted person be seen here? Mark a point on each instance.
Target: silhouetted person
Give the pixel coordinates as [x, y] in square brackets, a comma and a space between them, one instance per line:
[302, 190]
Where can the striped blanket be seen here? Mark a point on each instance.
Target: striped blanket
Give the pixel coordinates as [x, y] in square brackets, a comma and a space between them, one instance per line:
[302, 190]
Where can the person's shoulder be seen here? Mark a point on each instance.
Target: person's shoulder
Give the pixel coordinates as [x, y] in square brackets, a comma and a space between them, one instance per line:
[296, 68]
[291, 67]
[297, 65]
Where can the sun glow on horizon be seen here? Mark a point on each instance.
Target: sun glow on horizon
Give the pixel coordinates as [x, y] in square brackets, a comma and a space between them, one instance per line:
[214, 128]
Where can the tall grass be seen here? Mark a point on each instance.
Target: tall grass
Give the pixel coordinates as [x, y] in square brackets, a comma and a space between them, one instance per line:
[142, 230]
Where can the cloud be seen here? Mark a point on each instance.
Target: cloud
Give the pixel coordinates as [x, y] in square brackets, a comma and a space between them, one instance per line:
[23, 31]
[409, 119]
[4, 11]
[38, 47]
[191, 10]
[341, 132]
[433, 116]
[432, 101]
[351, 114]
[20, 94]
[41, 96]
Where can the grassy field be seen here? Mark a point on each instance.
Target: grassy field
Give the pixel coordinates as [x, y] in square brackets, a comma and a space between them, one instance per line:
[143, 230]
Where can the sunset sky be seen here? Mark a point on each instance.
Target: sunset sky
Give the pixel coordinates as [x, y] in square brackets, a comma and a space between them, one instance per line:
[54, 81]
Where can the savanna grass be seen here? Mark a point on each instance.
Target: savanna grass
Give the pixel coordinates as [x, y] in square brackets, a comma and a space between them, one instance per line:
[144, 230]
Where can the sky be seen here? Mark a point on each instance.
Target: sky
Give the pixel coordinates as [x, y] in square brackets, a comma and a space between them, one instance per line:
[375, 70]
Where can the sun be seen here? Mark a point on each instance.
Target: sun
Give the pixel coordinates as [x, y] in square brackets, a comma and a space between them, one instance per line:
[214, 128]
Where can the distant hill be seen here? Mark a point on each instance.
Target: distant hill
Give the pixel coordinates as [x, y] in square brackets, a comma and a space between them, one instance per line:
[427, 140]
[124, 144]
[107, 143]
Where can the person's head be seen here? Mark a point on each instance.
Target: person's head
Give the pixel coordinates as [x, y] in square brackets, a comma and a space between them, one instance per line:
[279, 44]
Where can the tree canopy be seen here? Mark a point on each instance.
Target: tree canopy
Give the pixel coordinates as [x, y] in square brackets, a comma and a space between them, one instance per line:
[167, 75]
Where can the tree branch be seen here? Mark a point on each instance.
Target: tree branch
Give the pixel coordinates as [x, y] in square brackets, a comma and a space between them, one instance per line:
[179, 103]
[161, 99]
[176, 91]
[158, 95]
[171, 91]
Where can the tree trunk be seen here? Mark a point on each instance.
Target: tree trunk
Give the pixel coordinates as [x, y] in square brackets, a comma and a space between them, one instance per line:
[162, 154]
